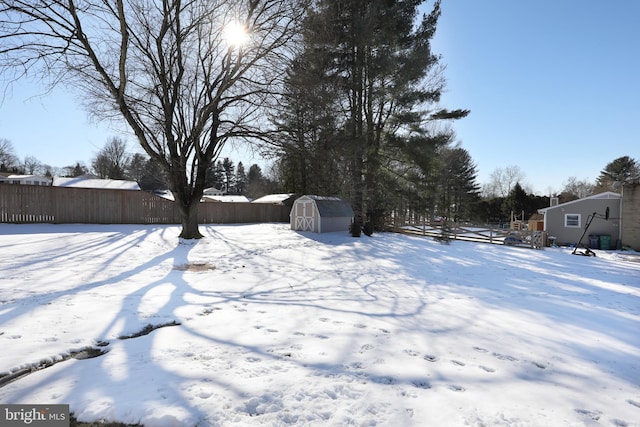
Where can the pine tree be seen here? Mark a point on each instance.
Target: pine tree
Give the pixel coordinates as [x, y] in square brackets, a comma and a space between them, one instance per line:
[241, 179]
[369, 59]
[622, 170]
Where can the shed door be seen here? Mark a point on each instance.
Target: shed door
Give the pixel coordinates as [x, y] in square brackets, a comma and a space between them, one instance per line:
[304, 216]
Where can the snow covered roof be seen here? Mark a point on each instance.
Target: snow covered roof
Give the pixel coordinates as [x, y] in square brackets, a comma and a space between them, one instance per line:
[273, 198]
[40, 178]
[235, 199]
[607, 195]
[165, 194]
[110, 184]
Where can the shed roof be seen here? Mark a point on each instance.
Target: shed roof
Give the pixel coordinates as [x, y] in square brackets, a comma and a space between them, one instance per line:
[332, 207]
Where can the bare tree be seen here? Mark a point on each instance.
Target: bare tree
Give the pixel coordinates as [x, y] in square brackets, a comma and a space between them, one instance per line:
[575, 188]
[112, 160]
[185, 75]
[8, 159]
[502, 181]
[31, 165]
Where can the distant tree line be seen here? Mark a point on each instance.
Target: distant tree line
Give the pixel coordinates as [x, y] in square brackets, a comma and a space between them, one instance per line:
[442, 184]
[114, 161]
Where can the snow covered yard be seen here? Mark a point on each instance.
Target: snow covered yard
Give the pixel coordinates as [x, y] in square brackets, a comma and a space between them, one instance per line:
[265, 326]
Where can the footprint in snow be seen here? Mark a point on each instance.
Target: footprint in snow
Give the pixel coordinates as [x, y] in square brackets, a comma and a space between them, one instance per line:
[505, 357]
[430, 358]
[480, 349]
[539, 365]
[633, 403]
[366, 347]
[383, 380]
[458, 363]
[302, 334]
[411, 352]
[594, 415]
[272, 330]
[454, 387]
[360, 325]
[421, 384]
[487, 369]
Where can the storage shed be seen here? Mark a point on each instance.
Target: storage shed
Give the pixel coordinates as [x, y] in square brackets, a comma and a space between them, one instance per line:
[320, 214]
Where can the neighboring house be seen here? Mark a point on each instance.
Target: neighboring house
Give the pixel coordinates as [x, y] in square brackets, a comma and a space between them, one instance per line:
[107, 184]
[320, 214]
[566, 222]
[25, 179]
[212, 191]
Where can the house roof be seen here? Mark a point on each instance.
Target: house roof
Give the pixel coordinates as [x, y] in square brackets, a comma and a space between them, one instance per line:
[38, 177]
[607, 195]
[331, 207]
[236, 199]
[110, 184]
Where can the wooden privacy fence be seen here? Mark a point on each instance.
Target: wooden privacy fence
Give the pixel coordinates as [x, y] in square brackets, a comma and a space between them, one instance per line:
[526, 238]
[62, 205]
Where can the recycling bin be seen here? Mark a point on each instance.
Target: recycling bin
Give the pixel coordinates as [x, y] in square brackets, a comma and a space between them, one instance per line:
[605, 242]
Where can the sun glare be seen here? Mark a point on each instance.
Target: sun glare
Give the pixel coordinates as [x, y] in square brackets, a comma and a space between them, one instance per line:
[236, 34]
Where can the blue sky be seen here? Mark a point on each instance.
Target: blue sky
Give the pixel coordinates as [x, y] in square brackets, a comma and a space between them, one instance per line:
[553, 87]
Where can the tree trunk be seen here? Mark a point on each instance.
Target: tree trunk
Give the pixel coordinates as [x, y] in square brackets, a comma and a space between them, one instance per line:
[189, 216]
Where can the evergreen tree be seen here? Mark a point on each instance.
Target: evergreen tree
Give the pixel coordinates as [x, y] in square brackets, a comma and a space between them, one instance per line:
[309, 152]
[228, 169]
[255, 182]
[516, 202]
[241, 179]
[622, 170]
[153, 177]
[135, 169]
[367, 64]
[458, 192]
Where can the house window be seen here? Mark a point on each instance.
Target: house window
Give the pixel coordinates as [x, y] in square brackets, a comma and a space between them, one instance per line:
[572, 220]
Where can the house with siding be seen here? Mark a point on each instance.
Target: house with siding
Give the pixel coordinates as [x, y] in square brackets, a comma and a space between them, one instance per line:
[25, 179]
[565, 223]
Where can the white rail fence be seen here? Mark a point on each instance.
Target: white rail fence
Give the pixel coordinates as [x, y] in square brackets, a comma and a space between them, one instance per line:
[525, 238]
